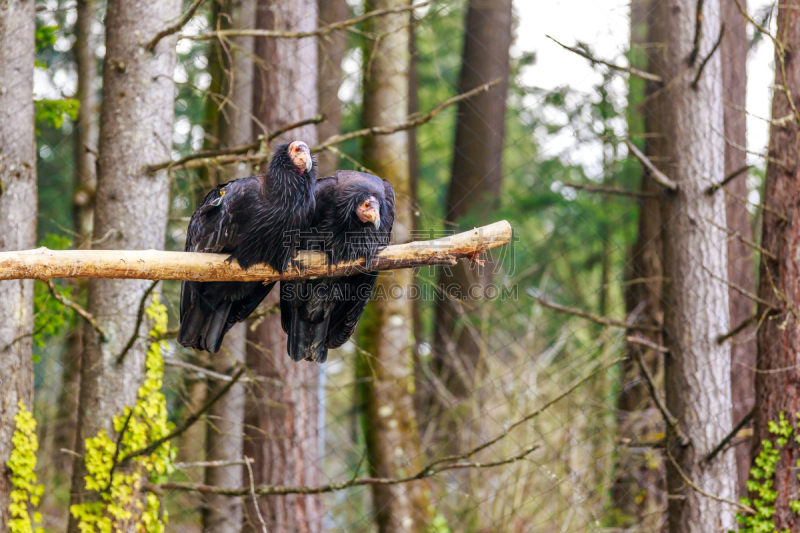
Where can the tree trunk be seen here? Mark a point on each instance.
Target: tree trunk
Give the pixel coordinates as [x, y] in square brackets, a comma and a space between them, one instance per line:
[697, 369]
[82, 219]
[390, 426]
[18, 221]
[135, 130]
[741, 265]
[281, 431]
[474, 188]
[224, 429]
[638, 490]
[224, 438]
[777, 389]
[330, 52]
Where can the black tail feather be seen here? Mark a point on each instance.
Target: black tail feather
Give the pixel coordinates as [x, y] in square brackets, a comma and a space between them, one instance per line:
[307, 337]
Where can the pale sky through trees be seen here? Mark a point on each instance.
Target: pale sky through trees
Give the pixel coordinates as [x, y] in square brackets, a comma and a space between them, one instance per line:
[604, 25]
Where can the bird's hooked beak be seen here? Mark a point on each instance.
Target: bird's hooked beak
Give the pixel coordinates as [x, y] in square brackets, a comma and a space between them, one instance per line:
[368, 211]
[300, 154]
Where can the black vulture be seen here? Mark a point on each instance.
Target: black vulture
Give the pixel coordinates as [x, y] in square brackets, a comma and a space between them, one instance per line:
[255, 220]
[353, 219]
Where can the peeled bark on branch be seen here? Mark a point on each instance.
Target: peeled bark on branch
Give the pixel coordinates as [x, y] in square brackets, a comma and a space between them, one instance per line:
[44, 263]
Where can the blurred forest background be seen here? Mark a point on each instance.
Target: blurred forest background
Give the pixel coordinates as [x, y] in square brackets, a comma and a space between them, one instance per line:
[603, 379]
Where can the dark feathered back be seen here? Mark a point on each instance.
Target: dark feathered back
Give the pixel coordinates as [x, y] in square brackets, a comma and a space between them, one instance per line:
[323, 313]
[255, 220]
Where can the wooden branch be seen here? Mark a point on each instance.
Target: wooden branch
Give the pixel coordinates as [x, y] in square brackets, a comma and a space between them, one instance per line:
[713, 188]
[139, 317]
[669, 420]
[655, 174]
[630, 70]
[705, 61]
[701, 492]
[723, 444]
[646, 343]
[83, 313]
[324, 30]
[412, 122]
[241, 153]
[735, 331]
[605, 321]
[43, 263]
[210, 155]
[698, 32]
[450, 462]
[175, 28]
[264, 490]
[186, 424]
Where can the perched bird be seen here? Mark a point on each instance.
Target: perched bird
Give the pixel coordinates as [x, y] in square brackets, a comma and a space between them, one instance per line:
[353, 219]
[256, 220]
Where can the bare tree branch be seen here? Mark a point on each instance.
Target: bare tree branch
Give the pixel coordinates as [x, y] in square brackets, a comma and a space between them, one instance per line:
[670, 420]
[701, 492]
[175, 28]
[730, 436]
[655, 174]
[630, 70]
[324, 30]
[83, 313]
[713, 188]
[139, 317]
[154, 264]
[605, 321]
[446, 463]
[708, 57]
[412, 122]
[210, 155]
[186, 424]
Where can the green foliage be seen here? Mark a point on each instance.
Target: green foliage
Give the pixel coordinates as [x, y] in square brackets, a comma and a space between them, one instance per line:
[53, 112]
[45, 39]
[22, 465]
[119, 487]
[51, 319]
[761, 481]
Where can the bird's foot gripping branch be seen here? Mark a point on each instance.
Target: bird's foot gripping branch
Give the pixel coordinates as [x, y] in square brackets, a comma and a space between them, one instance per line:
[45, 264]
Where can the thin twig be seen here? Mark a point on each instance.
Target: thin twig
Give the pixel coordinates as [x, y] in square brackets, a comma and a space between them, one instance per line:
[757, 204]
[83, 313]
[670, 420]
[655, 174]
[253, 494]
[412, 122]
[698, 32]
[737, 288]
[733, 175]
[647, 343]
[530, 415]
[735, 331]
[701, 492]
[741, 239]
[630, 70]
[264, 490]
[324, 30]
[605, 321]
[238, 150]
[139, 318]
[186, 424]
[432, 468]
[116, 450]
[609, 190]
[730, 436]
[696, 80]
[175, 28]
